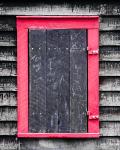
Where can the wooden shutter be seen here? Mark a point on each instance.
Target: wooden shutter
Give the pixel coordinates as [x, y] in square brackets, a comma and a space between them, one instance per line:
[58, 81]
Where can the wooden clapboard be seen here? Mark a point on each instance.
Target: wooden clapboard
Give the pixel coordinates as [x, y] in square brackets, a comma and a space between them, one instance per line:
[57, 80]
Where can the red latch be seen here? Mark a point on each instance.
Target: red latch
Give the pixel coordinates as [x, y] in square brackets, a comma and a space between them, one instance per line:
[94, 117]
[91, 51]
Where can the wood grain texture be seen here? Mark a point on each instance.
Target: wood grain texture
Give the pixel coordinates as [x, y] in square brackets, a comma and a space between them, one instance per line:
[7, 23]
[9, 143]
[63, 144]
[63, 68]
[108, 143]
[8, 114]
[109, 68]
[8, 83]
[8, 53]
[109, 113]
[53, 63]
[109, 53]
[7, 68]
[78, 81]
[8, 99]
[37, 81]
[60, 8]
[8, 128]
[110, 128]
[110, 38]
[110, 23]
[110, 98]
[109, 84]
[8, 38]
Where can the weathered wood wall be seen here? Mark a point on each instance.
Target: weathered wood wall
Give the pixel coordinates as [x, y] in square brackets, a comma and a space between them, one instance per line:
[109, 74]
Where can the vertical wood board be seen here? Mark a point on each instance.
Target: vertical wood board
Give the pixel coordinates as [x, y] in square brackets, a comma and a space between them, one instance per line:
[78, 80]
[37, 80]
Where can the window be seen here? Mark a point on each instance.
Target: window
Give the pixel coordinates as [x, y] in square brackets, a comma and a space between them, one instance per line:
[58, 76]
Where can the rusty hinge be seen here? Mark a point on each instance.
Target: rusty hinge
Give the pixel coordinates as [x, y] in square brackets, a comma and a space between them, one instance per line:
[92, 117]
[92, 52]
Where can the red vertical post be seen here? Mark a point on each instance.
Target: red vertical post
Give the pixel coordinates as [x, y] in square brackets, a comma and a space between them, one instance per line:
[93, 80]
[22, 78]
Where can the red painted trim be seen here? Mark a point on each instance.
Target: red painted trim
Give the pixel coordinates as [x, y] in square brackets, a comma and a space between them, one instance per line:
[22, 79]
[59, 135]
[57, 22]
[93, 80]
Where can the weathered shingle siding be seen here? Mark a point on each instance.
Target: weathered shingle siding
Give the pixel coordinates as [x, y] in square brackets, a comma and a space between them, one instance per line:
[109, 75]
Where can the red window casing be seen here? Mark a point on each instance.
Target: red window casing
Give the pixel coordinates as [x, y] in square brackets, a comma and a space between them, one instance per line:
[91, 23]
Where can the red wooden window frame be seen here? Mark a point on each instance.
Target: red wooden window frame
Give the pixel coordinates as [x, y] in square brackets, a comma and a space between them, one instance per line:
[91, 23]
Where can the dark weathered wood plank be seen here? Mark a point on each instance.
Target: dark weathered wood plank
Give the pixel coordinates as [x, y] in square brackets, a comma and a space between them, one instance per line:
[9, 143]
[8, 99]
[8, 128]
[110, 38]
[104, 143]
[109, 84]
[8, 38]
[8, 114]
[110, 23]
[78, 81]
[109, 113]
[109, 68]
[110, 53]
[110, 128]
[53, 63]
[8, 83]
[7, 68]
[37, 79]
[110, 98]
[60, 8]
[63, 67]
[7, 23]
[8, 53]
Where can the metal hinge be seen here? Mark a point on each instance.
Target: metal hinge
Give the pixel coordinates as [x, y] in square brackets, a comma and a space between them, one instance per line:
[92, 52]
[92, 117]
